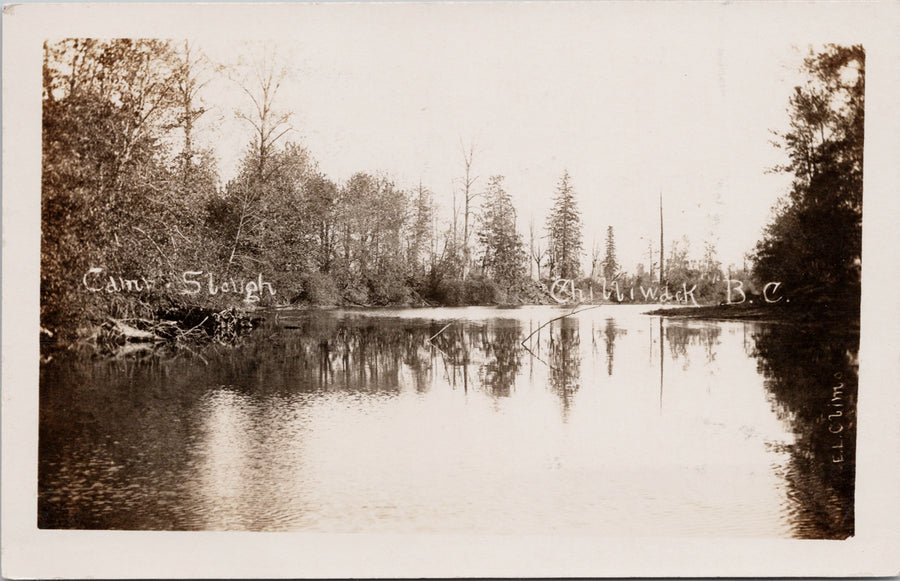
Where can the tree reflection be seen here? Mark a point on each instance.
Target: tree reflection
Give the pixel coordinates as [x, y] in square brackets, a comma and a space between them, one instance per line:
[681, 336]
[502, 350]
[107, 425]
[565, 359]
[454, 345]
[610, 332]
[493, 347]
[812, 374]
[325, 353]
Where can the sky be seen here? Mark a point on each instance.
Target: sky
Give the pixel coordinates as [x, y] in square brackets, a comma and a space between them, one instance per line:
[632, 104]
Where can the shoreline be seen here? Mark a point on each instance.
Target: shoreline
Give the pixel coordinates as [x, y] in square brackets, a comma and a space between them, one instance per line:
[803, 315]
[195, 325]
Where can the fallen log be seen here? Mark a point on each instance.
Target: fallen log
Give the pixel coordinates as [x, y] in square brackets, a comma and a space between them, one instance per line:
[130, 333]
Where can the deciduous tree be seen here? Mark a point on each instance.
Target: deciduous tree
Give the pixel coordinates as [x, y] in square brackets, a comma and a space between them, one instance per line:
[260, 81]
[536, 251]
[469, 195]
[107, 107]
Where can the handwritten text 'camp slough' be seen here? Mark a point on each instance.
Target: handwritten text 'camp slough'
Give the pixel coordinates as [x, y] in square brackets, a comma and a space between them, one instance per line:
[192, 282]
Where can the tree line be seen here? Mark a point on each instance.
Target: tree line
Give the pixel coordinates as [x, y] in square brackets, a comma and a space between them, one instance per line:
[126, 187]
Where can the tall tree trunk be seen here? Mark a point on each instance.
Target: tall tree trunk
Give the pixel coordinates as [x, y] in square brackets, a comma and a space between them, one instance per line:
[661, 267]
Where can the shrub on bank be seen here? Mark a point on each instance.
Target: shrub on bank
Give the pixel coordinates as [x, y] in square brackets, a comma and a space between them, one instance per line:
[456, 292]
[483, 291]
[388, 290]
[317, 288]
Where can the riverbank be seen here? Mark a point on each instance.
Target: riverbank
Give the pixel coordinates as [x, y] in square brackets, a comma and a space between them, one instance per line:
[775, 313]
[167, 322]
[172, 329]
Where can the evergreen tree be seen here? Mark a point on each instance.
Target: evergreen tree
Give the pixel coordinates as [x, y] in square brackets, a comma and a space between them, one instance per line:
[813, 244]
[610, 265]
[564, 232]
[502, 248]
[420, 235]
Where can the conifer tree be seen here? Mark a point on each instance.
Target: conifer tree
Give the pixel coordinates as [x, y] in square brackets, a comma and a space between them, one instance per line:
[610, 264]
[502, 249]
[564, 232]
[420, 236]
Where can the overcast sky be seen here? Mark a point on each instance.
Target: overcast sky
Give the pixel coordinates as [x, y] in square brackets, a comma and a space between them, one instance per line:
[632, 103]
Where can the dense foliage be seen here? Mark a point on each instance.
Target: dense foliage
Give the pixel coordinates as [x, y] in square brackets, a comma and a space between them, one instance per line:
[813, 244]
[502, 249]
[128, 197]
[113, 196]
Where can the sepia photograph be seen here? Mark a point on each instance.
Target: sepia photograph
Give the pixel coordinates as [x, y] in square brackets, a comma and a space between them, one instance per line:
[502, 271]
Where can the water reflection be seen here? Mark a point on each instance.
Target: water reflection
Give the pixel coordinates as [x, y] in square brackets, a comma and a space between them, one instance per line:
[702, 334]
[509, 422]
[565, 360]
[811, 372]
[609, 334]
[111, 444]
[503, 354]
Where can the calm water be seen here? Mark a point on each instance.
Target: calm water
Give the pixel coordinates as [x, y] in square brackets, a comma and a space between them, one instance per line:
[606, 422]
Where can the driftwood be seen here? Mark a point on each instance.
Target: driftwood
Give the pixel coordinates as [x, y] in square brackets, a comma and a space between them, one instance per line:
[129, 333]
[131, 349]
[137, 336]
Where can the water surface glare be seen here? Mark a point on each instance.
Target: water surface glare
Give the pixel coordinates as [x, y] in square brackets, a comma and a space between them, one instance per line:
[470, 420]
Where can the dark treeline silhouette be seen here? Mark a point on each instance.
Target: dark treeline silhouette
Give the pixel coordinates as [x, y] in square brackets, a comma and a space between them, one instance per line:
[813, 243]
[812, 374]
